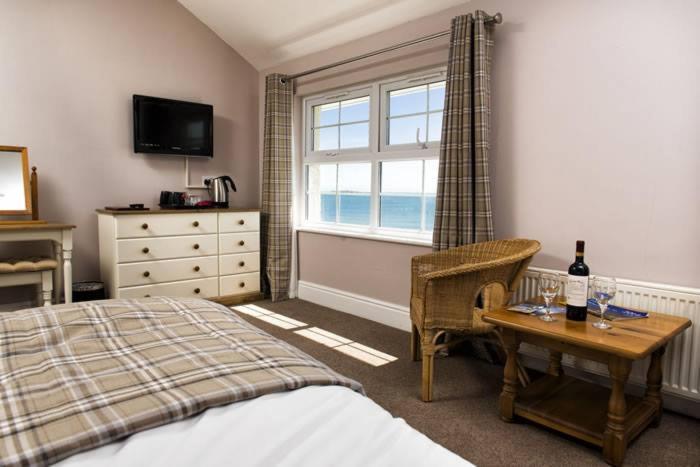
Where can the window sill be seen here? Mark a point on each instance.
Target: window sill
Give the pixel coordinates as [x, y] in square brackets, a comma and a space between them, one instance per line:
[366, 235]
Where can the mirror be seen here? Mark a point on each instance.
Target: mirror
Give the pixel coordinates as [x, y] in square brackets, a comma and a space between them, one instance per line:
[14, 181]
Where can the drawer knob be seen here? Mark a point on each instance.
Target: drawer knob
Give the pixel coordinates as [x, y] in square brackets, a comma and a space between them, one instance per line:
[146, 274]
[147, 295]
[241, 243]
[144, 226]
[196, 290]
[242, 284]
[196, 246]
[196, 269]
[145, 250]
[241, 264]
[241, 222]
[195, 223]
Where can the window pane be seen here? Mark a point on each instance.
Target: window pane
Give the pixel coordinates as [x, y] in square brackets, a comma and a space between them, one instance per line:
[402, 177]
[437, 95]
[435, 126]
[354, 208]
[326, 138]
[327, 177]
[429, 212]
[400, 211]
[354, 185]
[355, 178]
[320, 188]
[431, 175]
[408, 101]
[354, 110]
[354, 136]
[326, 114]
[403, 130]
[328, 207]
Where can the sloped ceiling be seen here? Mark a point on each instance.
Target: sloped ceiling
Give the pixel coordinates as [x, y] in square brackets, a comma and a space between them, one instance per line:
[269, 32]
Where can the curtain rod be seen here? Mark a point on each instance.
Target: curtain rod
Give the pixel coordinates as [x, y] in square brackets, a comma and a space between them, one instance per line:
[496, 19]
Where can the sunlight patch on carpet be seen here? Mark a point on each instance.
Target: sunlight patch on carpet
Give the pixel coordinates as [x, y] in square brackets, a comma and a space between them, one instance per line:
[346, 346]
[276, 319]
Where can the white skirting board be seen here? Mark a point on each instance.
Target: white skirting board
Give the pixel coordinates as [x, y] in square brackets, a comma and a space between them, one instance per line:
[681, 365]
[382, 312]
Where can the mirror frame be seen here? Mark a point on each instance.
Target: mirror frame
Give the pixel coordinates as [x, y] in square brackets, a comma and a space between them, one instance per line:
[25, 174]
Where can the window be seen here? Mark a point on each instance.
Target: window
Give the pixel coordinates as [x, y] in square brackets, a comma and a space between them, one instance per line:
[339, 123]
[407, 194]
[339, 193]
[370, 160]
[414, 114]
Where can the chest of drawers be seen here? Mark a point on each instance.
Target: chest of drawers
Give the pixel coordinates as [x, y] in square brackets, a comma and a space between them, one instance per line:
[189, 253]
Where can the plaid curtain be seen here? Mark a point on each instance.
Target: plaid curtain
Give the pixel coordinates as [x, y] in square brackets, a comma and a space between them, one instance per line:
[276, 215]
[463, 203]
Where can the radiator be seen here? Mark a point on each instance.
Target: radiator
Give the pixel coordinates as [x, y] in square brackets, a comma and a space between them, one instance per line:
[681, 362]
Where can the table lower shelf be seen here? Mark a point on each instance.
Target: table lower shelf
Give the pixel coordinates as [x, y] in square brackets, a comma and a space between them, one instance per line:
[578, 408]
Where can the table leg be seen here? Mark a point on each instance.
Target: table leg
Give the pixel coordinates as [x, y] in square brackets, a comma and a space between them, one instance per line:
[57, 277]
[614, 441]
[554, 368]
[510, 374]
[653, 392]
[67, 266]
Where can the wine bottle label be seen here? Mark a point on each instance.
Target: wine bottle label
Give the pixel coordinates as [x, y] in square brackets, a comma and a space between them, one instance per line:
[577, 290]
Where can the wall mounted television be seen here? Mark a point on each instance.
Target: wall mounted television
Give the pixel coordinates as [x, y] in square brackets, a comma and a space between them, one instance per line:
[166, 126]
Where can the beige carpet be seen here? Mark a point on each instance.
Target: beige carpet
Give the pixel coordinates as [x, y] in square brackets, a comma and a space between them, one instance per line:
[463, 416]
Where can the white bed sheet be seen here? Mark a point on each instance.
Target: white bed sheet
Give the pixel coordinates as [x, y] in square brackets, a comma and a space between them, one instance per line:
[313, 426]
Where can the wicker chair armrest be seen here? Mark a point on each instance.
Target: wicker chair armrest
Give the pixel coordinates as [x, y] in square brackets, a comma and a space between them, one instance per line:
[466, 269]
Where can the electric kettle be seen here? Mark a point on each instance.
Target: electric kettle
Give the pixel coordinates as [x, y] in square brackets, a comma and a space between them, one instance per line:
[218, 191]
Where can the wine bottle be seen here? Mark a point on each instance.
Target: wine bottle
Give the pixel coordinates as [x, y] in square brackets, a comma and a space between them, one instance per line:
[577, 287]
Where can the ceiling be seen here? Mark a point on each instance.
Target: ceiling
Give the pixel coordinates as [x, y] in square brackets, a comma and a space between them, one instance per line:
[269, 32]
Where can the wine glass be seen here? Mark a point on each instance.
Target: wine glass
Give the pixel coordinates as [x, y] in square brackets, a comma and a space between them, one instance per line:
[548, 284]
[604, 289]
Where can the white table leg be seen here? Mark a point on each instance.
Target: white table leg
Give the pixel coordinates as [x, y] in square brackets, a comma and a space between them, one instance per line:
[46, 287]
[57, 285]
[67, 266]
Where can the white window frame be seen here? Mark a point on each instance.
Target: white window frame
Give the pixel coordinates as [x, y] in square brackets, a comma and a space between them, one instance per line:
[386, 88]
[330, 97]
[377, 152]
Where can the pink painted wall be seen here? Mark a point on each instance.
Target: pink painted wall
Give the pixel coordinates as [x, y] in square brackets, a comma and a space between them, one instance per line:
[596, 111]
[69, 69]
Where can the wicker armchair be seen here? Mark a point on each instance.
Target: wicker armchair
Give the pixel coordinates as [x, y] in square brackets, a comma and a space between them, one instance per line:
[445, 288]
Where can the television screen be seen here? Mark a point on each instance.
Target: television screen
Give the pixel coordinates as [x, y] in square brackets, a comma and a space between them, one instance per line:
[165, 126]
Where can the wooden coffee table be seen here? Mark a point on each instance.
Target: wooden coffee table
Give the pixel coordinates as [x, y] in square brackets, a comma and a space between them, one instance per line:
[605, 417]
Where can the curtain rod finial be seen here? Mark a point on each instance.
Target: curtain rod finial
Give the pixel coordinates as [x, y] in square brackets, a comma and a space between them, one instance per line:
[498, 18]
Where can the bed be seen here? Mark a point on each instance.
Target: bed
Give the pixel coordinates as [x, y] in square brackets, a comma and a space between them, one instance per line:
[165, 381]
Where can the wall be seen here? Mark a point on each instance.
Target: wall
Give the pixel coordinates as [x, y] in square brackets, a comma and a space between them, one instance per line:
[595, 119]
[69, 69]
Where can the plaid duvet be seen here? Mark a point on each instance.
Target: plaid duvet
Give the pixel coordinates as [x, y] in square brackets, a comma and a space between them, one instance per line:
[78, 376]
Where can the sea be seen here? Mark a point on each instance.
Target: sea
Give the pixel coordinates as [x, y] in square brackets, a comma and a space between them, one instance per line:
[399, 212]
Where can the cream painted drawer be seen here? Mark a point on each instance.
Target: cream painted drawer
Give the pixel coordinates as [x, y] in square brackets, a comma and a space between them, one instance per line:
[154, 272]
[149, 249]
[160, 225]
[239, 221]
[197, 288]
[239, 283]
[239, 242]
[238, 264]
